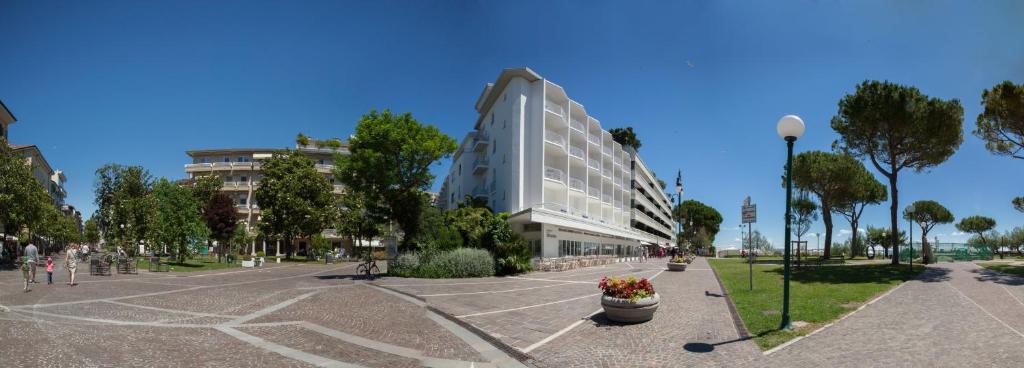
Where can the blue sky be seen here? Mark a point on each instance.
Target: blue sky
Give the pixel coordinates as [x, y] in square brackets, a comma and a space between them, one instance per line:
[703, 83]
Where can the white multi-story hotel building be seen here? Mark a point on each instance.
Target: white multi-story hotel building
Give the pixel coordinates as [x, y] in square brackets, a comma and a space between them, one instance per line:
[569, 188]
[239, 168]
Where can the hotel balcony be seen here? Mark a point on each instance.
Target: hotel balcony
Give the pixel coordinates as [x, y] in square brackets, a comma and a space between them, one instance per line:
[235, 185]
[481, 141]
[339, 189]
[577, 184]
[607, 150]
[594, 164]
[480, 166]
[554, 138]
[577, 125]
[226, 166]
[606, 198]
[324, 168]
[577, 152]
[552, 173]
[480, 191]
[606, 172]
[594, 192]
[554, 107]
[594, 139]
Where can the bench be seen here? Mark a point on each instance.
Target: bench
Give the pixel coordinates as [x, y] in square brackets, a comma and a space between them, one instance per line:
[99, 268]
[155, 265]
[127, 266]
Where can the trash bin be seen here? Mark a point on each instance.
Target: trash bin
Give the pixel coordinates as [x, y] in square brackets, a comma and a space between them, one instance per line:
[328, 259]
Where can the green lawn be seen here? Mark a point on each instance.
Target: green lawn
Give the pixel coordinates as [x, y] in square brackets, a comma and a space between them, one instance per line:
[192, 265]
[1004, 268]
[817, 295]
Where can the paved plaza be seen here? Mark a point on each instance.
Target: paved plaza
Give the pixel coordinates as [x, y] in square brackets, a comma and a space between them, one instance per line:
[954, 315]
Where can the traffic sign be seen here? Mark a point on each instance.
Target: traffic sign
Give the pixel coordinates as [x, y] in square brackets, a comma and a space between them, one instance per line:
[750, 214]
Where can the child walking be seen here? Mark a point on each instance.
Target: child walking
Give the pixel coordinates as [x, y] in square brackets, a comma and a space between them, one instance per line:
[49, 270]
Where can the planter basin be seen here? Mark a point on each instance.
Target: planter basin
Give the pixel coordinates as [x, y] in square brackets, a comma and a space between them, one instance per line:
[622, 310]
[676, 266]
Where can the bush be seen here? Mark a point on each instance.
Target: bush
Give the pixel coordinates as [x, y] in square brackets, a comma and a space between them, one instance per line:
[260, 254]
[458, 263]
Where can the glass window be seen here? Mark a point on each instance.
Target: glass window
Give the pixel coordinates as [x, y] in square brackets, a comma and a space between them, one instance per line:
[492, 119]
[242, 200]
[244, 179]
[227, 159]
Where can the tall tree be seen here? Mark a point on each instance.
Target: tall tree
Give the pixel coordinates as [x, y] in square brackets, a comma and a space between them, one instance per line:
[927, 214]
[898, 127]
[884, 238]
[221, 218]
[805, 213]
[829, 176]
[862, 190]
[23, 202]
[353, 220]
[205, 187]
[177, 223]
[125, 204]
[91, 231]
[389, 163]
[697, 217]
[626, 137]
[979, 225]
[295, 200]
[1001, 123]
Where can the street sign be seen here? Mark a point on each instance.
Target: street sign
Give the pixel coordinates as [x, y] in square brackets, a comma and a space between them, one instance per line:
[750, 214]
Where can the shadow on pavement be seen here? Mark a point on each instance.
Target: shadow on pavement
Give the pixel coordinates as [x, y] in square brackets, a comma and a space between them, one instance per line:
[701, 347]
[988, 275]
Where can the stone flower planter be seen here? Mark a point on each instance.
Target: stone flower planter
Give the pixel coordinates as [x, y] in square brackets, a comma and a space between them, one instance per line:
[624, 311]
[672, 266]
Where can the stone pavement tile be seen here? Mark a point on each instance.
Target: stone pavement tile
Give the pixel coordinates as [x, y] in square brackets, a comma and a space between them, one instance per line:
[374, 315]
[686, 315]
[108, 311]
[61, 293]
[296, 337]
[45, 344]
[924, 323]
[992, 290]
[218, 300]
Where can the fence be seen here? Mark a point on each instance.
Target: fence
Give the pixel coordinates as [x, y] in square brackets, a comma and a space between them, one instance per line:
[949, 252]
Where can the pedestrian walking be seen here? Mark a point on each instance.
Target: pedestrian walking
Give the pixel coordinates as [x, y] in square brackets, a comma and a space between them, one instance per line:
[49, 270]
[71, 263]
[24, 271]
[32, 255]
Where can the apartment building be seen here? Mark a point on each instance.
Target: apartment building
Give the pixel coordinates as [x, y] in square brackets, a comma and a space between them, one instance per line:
[537, 154]
[652, 208]
[50, 179]
[239, 168]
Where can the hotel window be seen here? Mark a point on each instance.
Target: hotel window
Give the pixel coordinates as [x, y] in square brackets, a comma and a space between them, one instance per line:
[492, 119]
[244, 179]
[494, 145]
[503, 97]
[241, 200]
[504, 124]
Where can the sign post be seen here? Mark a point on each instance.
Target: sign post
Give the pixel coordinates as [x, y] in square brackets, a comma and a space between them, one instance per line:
[749, 214]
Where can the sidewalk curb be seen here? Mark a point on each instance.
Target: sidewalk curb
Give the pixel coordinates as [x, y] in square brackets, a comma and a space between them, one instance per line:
[741, 329]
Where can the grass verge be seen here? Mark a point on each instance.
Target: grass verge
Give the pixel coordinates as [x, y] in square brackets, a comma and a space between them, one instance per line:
[818, 295]
[191, 265]
[1004, 268]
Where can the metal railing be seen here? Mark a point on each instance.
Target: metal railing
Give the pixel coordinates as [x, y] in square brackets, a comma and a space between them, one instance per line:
[606, 172]
[594, 163]
[554, 107]
[594, 192]
[479, 191]
[594, 139]
[577, 184]
[555, 138]
[606, 198]
[576, 152]
[576, 124]
[607, 150]
[553, 173]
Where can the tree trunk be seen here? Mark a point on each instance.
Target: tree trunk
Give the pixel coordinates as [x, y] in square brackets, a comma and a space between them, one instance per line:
[826, 217]
[894, 236]
[926, 250]
[853, 238]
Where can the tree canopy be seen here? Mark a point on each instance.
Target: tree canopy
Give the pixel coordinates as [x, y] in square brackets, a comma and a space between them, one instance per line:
[91, 232]
[927, 214]
[294, 199]
[978, 225]
[625, 137]
[897, 127]
[805, 213]
[177, 224]
[863, 190]
[389, 163]
[25, 202]
[837, 180]
[221, 218]
[1001, 123]
[126, 207]
[697, 218]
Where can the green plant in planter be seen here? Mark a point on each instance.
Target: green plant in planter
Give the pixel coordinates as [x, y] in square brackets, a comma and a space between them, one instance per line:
[302, 140]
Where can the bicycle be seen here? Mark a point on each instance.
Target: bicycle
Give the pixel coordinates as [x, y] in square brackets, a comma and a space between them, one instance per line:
[368, 268]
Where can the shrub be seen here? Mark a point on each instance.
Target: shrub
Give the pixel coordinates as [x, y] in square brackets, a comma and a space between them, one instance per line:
[458, 263]
[260, 254]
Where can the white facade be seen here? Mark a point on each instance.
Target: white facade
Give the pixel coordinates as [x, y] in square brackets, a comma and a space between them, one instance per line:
[538, 155]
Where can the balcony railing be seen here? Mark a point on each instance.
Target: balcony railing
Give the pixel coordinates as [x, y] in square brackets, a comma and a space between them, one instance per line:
[576, 184]
[606, 198]
[555, 138]
[480, 165]
[576, 124]
[481, 141]
[618, 181]
[606, 172]
[594, 192]
[479, 191]
[554, 107]
[324, 167]
[618, 160]
[594, 139]
[576, 152]
[338, 188]
[553, 173]
[594, 163]
[607, 150]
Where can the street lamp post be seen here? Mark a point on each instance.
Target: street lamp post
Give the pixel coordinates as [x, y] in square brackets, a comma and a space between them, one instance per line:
[910, 233]
[789, 128]
[679, 201]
